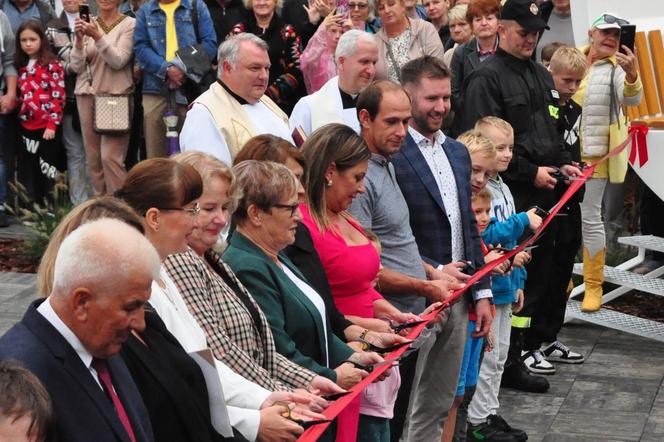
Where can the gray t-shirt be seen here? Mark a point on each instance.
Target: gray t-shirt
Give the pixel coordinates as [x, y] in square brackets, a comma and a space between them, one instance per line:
[561, 30]
[383, 210]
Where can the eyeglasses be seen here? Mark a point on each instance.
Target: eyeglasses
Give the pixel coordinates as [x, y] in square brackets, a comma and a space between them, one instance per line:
[610, 19]
[193, 211]
[358, 6]
[292, 207]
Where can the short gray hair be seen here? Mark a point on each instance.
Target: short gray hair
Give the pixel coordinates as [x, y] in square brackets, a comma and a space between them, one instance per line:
[229, 50]
[347, 44]
[101, 254]
[263, 184]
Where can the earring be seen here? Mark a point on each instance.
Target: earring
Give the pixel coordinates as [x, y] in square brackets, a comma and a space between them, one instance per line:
[328, 183]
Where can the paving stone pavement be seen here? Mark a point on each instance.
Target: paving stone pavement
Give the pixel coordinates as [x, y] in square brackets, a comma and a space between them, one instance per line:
[617, 395]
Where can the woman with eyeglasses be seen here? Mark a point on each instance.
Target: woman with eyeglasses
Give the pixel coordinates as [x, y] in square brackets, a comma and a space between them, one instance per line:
[611, 82]
[402, 38]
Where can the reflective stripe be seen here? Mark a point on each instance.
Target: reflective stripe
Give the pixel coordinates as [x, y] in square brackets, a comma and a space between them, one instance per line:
[520, 321]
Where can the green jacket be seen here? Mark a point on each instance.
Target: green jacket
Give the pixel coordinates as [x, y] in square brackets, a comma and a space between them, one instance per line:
[295, 322]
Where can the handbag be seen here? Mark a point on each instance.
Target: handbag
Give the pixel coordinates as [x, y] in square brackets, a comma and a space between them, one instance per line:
[112, 114]
[198, 68]
[618, 133]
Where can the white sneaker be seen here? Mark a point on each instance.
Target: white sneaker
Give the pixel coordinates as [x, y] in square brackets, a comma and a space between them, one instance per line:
[559, 352]
[535, 362]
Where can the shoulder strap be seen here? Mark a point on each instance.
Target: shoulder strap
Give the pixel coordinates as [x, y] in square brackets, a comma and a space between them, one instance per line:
[194, 19]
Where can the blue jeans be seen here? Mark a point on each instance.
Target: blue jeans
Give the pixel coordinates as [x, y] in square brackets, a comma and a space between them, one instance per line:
[373, 429]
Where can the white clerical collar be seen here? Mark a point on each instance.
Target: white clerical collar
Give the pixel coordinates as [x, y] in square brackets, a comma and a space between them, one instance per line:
[46, 310]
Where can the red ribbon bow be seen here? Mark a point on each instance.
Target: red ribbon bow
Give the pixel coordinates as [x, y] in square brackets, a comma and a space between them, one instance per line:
[639, 149]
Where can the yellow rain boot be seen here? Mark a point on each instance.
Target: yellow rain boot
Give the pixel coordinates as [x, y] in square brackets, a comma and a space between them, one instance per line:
[593, 277]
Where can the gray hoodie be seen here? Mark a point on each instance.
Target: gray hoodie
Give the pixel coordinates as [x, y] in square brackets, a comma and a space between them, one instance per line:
[502, 201]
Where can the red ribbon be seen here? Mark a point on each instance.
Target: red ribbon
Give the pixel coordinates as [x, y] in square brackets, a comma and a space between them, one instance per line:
[638, 134]
[331, 412]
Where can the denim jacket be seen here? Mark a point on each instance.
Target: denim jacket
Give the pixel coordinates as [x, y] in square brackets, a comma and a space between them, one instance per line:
[150, 39]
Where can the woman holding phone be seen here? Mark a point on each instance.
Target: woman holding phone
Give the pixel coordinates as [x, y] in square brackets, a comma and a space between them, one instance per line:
[612, 81]
[101, 58]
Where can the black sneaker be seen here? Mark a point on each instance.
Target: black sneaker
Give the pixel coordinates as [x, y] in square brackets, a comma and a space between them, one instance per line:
[559, 352]
[497, 422]
[486, 433]
[535, 362]
[518, 377]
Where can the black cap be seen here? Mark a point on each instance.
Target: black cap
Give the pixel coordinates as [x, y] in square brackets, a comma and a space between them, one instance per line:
[524, 12]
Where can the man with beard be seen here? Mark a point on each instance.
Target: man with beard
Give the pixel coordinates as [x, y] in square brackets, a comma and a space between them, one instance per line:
[356, 57]
[433, 172]
[384, 111]
[235, 108]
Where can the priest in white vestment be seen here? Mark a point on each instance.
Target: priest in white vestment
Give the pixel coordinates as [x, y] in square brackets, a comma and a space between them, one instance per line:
[356, 56]
[235, 108]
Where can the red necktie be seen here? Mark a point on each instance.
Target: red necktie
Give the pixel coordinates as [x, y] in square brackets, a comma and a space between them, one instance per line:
[484, 52]
[105, 378]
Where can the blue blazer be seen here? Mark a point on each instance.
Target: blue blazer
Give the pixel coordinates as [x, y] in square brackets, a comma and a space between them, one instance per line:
[82, 411]
[428, 218]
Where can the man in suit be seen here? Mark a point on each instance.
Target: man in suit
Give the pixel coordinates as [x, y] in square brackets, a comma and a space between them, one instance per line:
[102, 279]
[433, 172]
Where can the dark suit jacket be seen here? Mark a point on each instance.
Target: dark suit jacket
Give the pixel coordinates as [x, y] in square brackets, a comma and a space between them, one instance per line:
[171, 384]
[83, 412]
[428, 218]
[295, 322]
[305, 257]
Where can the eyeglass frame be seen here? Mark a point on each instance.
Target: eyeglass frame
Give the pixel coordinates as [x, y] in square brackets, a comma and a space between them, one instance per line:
[358, 6]
[293, 207]
[193, 211]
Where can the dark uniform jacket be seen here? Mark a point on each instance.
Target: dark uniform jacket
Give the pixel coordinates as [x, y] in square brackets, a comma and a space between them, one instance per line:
[522, 93]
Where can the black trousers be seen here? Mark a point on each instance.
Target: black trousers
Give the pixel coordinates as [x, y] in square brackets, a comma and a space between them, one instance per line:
[549, 313]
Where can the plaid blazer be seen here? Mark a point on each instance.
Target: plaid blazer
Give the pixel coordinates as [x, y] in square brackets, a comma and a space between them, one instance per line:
[428, 218]
[248, 348]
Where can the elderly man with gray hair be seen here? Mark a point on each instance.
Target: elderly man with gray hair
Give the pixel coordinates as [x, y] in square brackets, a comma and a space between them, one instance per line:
[102, 279]
[356, 56]
[235, 108]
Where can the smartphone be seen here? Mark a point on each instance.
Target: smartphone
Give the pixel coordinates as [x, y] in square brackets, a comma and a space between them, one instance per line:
[342, 10]
[627, 35]
[84, 12]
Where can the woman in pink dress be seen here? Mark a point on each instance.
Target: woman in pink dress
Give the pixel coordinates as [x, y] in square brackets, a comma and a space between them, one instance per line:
[337, 161]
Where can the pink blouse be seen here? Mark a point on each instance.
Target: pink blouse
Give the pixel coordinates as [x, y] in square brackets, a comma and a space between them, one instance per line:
[350, 269]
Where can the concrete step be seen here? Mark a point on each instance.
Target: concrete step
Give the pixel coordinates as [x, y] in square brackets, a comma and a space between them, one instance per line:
[629, 279]
[617, 321]
[648, 242]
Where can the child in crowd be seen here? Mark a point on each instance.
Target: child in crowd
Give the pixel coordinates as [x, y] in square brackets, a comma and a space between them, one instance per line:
[41, 95]
[25, 407]
[504, 229]
[568, 68]
[548, 50]
[482, 155]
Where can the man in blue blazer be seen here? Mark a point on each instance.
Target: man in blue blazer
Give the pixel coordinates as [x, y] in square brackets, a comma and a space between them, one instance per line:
[433, 173]
[103, 274]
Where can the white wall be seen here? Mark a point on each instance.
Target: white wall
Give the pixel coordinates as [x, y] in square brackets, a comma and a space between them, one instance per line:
[645, 14]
